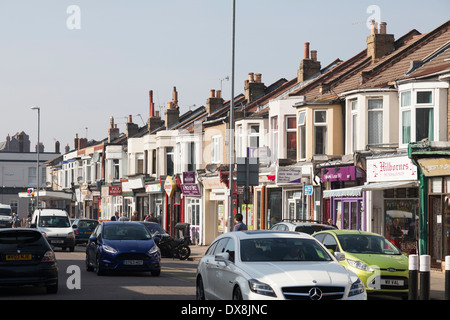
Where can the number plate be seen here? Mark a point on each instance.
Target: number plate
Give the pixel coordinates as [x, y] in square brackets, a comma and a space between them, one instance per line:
[392, 282]
[18, 257]
[133, 262]
[56, 241]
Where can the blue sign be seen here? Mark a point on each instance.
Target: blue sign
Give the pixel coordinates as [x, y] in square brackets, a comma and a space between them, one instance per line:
[308, 190]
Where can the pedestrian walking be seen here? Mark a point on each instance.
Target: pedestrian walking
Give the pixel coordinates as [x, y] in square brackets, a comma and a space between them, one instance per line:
[123, 217]
[151, 218]
[115, 217]
[134, 217]
[239, 226]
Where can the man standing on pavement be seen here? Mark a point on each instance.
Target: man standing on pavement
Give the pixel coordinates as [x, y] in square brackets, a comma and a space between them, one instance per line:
[239, 226]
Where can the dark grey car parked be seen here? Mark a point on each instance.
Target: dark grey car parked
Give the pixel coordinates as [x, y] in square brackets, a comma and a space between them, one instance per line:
[26, 258]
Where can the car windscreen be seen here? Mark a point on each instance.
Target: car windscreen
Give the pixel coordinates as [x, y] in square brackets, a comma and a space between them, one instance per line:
[125, 232]
[282, 249]
[18, 239]
[5, 212]
[54, 222]
[312, 228]
[370, 244]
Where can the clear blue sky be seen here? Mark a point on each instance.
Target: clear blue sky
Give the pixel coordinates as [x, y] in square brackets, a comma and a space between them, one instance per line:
[81, 77]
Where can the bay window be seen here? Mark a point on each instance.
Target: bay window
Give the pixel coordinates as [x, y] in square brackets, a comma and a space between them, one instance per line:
[375, 118]
[274, 142]
[320, 132]
[291, 138]
[417, 116]
[302, 134]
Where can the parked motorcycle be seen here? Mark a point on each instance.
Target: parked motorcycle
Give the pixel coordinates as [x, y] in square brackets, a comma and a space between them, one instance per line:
[173, 248]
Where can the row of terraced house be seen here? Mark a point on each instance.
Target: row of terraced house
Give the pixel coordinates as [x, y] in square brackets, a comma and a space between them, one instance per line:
[364, 142]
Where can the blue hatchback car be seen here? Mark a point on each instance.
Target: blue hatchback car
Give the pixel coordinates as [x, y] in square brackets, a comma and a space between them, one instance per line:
[122, 246]
[83, 229]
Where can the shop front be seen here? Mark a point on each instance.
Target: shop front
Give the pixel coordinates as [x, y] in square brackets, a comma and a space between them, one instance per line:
[433, 163]
[215, 208]
[172, 204]
[343, 197]
[192, 206]
[156, 199]
[112, 201]
[392, 195]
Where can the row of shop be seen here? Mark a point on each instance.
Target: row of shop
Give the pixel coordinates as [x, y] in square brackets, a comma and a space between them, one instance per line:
[406, 200]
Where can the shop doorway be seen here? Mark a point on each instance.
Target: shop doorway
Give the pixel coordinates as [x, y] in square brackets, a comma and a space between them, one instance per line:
[435, 237]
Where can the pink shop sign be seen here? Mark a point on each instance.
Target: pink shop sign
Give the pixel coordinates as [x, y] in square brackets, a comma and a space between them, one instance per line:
[391, 169]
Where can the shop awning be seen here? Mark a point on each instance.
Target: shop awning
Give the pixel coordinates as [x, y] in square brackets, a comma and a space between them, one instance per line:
[390, 185]
[344, 192]
[357, 191]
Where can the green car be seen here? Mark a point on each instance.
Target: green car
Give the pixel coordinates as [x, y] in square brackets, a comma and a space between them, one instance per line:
[376, 261]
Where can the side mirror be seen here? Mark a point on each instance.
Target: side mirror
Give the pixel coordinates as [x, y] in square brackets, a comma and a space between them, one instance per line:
[33, 225]
[93, 239]
[339, 256]
[74, 226]
[156, 239]
[222, 257]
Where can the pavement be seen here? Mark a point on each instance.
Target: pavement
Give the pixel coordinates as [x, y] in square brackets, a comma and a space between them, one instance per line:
[437, 278]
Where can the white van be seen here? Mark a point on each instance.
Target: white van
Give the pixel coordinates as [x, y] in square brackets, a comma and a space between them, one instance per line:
[55, 224]
[5, 216]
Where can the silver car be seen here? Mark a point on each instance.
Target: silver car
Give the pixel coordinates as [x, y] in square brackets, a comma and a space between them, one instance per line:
[257, 265]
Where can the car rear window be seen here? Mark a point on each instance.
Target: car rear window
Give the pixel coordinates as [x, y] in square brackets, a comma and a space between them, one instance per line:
[11, 239]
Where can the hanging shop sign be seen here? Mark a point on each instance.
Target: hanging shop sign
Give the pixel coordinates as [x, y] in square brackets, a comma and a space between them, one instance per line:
[287, 175]
[113, 190]
[347, 173]
[190, 190]
[169, 186]
[391, 169]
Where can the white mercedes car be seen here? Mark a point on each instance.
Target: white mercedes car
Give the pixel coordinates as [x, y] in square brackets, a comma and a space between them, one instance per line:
[257, 265]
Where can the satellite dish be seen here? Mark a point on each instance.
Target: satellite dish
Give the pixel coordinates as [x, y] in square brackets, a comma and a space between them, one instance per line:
[96, 157]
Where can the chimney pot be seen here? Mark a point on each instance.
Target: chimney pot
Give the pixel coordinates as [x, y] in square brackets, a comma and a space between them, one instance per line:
[382, 27]
[373, 27]
[314, 55]
[130, 118]
[212, 93]
[151, 104]
[219, 94]
[251, 77]
[258, 77]
[306, 50]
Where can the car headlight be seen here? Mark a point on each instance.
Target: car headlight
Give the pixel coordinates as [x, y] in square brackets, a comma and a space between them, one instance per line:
[359, 265]
[356, 288]
[109, 249]
[261, 288]
[153, 249]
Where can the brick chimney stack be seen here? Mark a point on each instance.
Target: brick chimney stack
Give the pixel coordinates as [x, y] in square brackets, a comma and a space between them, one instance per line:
[214, 101]
[173, 111]
[308, 66]
[132, 128]
[379, 43]
[113, 131]
[154, 120]
[253, 87]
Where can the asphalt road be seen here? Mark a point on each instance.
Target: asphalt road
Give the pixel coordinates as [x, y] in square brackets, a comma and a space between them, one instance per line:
[176, 282]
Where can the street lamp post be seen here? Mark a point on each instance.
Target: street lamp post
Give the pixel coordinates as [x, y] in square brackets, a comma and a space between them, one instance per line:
[231, 141]
[37, 150]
